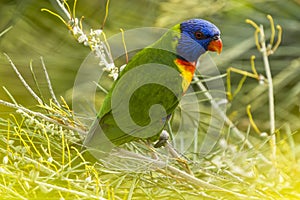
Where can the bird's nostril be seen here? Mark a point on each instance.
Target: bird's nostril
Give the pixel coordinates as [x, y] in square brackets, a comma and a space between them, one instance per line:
[216, 37]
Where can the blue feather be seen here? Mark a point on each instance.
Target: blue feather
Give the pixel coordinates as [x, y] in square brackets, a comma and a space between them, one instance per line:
[189, 47]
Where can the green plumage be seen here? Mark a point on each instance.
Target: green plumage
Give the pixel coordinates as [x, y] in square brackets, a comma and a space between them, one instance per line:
[130, 109]
[150, 87]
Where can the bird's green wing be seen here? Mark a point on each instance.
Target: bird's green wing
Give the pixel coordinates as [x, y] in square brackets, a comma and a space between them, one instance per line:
[140, 100]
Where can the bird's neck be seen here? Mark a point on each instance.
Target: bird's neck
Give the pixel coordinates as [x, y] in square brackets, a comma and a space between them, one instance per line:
[187, 70]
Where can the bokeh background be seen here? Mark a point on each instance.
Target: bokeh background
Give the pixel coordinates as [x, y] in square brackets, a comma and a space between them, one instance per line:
[34, 33]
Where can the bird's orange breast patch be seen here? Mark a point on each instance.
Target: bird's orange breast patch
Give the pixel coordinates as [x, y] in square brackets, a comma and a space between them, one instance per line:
[187, 70]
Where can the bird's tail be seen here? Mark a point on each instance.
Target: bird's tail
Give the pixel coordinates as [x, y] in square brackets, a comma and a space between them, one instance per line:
[96, 142]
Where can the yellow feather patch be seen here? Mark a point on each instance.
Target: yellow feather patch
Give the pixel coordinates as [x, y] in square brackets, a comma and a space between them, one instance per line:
[187, 70]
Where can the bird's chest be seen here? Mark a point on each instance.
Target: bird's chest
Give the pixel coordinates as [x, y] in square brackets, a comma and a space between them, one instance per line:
[187, 71]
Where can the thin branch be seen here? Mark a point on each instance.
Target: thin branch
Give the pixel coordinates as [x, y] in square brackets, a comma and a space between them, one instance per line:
[36, 81]
[63, 8]
[225, 118]
[49, 83]
[220, 112]
[270, 91]
[5, 31]
[158, 165]
[40, 115]
[100, 87]
[8, 190]
[10, 95]
[40, 101]
[63, 189]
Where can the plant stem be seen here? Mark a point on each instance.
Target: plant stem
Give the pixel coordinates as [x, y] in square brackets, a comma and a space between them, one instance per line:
[49, 83]
[40, 115]
[270, 91]
[23, 80]
[228, 122]
[161, 165]
[63, 8]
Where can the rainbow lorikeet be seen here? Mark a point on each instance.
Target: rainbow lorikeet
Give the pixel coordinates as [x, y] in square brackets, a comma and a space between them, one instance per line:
[151, 85]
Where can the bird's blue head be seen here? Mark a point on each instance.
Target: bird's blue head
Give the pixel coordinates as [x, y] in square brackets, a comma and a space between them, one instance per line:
[198, 36]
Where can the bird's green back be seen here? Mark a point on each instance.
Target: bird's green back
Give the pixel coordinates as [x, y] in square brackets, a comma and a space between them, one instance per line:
[150, 87]
[144, 96]
[162, 52]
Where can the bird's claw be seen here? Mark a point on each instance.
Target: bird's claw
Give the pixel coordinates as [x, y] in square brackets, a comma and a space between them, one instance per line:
[163, 138]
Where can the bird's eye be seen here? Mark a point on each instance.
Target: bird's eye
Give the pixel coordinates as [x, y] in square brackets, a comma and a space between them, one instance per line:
[199, 35]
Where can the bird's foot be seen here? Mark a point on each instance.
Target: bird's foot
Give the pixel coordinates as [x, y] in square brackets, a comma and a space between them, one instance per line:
[163, 141]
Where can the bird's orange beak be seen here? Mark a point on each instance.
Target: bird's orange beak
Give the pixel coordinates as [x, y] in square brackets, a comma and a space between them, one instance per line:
[215, 45]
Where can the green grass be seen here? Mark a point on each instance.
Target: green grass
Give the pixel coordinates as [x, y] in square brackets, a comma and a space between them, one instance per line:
[44, 160]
